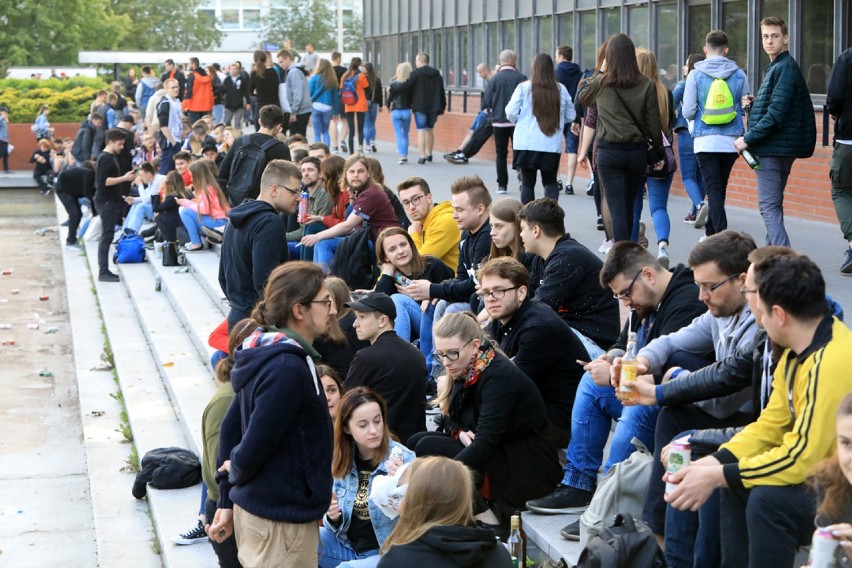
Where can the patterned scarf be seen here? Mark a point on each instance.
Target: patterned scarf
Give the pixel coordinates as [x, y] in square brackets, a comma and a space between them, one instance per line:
[463, 389]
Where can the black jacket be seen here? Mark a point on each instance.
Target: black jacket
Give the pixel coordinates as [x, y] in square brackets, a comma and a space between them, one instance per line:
[236, 92]
[77, 181]
[83, 142]
[181, 79]
[449, 547]
[571, 286]
[546, 350]
[398, 99]
[838, 99]
[513, 445]
[426, 87]
[473, 249]
[396, 370]
[569, 74]
[500, 89]
[278, 151]
[253, 245]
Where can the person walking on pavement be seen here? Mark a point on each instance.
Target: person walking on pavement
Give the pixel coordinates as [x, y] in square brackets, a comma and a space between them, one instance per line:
[839, 103]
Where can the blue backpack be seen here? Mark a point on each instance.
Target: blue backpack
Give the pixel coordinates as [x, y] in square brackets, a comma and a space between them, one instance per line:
[147, 93]
[349, 92]
[130, 249]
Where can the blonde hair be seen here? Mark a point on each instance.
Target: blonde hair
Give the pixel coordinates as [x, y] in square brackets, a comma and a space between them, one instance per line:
[464, 326]
[648, 67]
[204, 181]
[438, 495]
[403, 71]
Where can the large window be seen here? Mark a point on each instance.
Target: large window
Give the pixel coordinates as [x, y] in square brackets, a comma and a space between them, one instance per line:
[588, 40]
[509, 36]
[611, 21]
[637, 25]
[735, 24]
[525, 43]
[697, 26]
[566, 30]
[495, 44]
[452, 62]
[818, 48]
[438, 56]
[477, 50]
[545, 35]
[667, 48]
[465, 57]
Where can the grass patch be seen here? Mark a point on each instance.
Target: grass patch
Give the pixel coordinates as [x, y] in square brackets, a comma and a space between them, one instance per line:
[155, 544]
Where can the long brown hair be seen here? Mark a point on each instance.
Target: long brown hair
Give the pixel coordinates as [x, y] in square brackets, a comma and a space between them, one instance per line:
[326, 72]
[622, 71]
[829, 480]
[344, 444]
[260, 63]
[331, 169]
[339, 295]
[648, 67]
[438, 495]
[204, 182]
[354, 67]
[418, 265]
[174, 185]
[507, 210]
[290, 284]
[546, 99]
[242, 329]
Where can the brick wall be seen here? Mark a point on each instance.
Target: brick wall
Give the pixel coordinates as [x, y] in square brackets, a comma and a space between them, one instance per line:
[808, 194]
[24, 141]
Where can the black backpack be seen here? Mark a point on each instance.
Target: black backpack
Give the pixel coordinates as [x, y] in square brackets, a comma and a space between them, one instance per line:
[625, 544]
[167, 468]
[246, 169]
[354, 261]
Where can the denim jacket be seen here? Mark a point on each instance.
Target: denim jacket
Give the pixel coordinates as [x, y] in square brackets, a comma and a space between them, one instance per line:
[681, 123]
[528, 134]
[346, 488]
[698, 85]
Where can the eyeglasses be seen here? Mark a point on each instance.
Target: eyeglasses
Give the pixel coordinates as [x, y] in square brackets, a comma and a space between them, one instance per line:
[745, 291]
[451, 355]
[328, 302]
[415, 201]
[498, 294]
[713, 287]
[627, 294]
[293, 191]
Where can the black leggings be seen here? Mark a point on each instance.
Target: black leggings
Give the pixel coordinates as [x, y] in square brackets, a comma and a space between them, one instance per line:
[622, 172]
[548, 180]
[350, 118]
[75, 214]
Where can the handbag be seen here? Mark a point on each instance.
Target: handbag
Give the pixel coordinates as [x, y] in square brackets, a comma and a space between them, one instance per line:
[654, 155]
[170, 253]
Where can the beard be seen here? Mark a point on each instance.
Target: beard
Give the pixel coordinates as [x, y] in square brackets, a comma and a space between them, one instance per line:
[355, 187]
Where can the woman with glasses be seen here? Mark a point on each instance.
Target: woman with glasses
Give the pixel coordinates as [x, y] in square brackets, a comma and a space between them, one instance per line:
[495, 422]
[400, 264]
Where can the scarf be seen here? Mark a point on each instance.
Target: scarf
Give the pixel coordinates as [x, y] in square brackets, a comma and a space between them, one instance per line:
[464, 389]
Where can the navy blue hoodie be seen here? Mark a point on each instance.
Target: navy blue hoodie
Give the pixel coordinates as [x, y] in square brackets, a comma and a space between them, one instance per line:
[255, 242]
[569, 74]
[277, 432]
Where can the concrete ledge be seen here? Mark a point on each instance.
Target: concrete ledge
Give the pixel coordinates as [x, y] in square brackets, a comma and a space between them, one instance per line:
[17, 179]
[205, 268]
[543, 531]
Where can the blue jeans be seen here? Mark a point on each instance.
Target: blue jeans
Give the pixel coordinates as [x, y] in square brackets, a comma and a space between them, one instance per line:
[334, 553]
[193, 224]
[167, 161]
[293, 249]
[409, 317]
[370, 124]
[321, 121]
[401, 125]
[690, 174]
[218, 113]
[594, 409]
[658, 199]
[772, 177]
[137, 215]
[324, 252]
[692, 539]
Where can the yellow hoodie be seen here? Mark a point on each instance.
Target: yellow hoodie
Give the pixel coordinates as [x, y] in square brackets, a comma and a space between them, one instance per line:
[440, 237]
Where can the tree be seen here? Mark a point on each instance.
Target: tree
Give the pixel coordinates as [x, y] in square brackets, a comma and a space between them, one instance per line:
[168, 25]
[353, 33]
[303, 22]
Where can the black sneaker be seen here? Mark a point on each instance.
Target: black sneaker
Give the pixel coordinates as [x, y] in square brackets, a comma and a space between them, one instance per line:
[373, 149]
[502, 190]
[421, 161]
[429, 158]
[846, 267]
[213, 235]
[600, 223]
[569, 190]
[343, 147]
[572, 531]
[564, 499]
[559, 185]
[590, 189]
[195, 535]
[108, 277]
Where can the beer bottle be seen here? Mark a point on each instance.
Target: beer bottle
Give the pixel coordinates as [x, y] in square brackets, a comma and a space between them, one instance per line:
[750, 159]
[515, 543]
[629, 365]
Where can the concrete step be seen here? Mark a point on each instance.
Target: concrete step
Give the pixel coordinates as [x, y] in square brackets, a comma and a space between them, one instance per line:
[542, 531]
[17, 179]
[205, 268]
[149, 396]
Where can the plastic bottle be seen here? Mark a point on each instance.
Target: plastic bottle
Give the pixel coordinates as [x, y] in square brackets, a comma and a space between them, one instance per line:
[629, 371]
[303, 206]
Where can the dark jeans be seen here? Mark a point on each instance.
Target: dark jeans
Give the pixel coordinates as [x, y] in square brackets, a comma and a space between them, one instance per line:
[548, 180]
[110, 212]
[195, 116]
[167, 158]
[226, 551]
[765, 525]
[4, 153]
[622, 172]
[72, 207]
[307, 253]
[716, 169]
[502, 135]
[840, 173]
[300, 125]
[350, 118]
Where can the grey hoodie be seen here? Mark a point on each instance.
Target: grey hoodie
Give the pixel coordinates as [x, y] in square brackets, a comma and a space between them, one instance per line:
[152, 83]
[717, 67]
[298, 93]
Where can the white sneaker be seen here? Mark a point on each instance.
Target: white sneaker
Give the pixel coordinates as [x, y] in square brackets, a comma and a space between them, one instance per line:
[605, 246]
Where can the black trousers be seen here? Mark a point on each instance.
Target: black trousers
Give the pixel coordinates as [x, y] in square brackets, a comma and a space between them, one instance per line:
[621, 171]
[765, 525]
[110, 212]
[226, 552]
[75, 214]
[548, 180]
[300, 126]
[716, 169]
[502, 135]
[4, 153]
[351, 117]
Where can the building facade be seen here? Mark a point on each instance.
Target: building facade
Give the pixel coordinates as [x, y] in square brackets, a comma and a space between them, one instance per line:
[459, 34]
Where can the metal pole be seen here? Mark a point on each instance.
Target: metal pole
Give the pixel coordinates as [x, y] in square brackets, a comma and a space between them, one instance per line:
[340, 26]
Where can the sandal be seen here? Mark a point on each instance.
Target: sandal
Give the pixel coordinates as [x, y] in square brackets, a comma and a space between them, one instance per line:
[189, 247]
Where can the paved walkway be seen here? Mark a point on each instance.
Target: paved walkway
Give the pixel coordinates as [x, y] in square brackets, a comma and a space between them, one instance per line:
[823, 242]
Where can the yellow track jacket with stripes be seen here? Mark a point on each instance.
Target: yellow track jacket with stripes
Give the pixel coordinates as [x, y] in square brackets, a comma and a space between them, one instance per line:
[797, 428]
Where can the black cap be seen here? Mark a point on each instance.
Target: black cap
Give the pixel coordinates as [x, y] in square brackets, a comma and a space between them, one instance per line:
[208, 147]
[374, 302]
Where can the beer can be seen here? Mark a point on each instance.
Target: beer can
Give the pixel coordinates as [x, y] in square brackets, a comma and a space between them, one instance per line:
[43, 298]
[158, 283]
[8, 271]
[8, 342]
[16, 290]
[5, 326]
[32, 326]
[823, 549]
[680, 455]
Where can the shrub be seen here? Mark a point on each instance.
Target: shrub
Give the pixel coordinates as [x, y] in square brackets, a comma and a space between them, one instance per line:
[69, 100]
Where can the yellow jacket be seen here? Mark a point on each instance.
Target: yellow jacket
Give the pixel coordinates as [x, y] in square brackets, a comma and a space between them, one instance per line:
[797, 428]
[440, 237]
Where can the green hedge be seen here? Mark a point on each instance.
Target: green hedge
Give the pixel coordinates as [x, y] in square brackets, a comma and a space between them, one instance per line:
[69, 100]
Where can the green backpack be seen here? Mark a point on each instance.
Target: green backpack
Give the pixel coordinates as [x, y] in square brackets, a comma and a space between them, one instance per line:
[719, 107]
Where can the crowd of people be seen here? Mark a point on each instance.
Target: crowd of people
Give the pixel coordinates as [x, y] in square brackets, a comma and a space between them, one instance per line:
[354, 307]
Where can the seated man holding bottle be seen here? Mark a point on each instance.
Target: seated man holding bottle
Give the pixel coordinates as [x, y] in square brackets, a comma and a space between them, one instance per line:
[661, 302]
